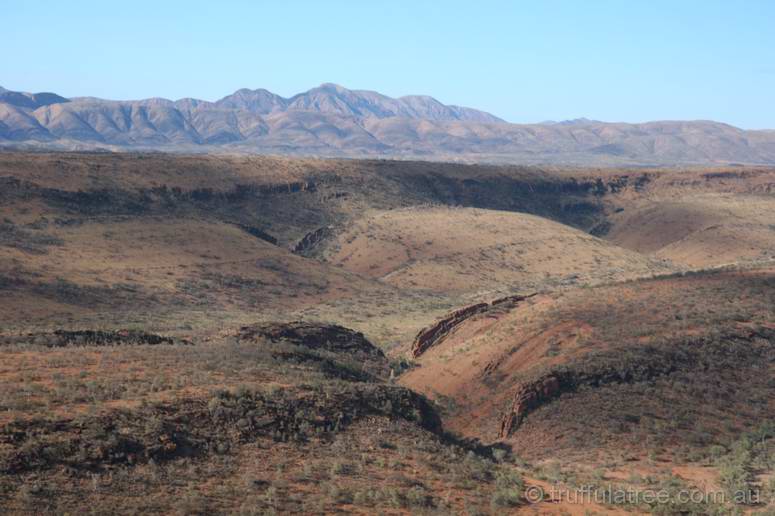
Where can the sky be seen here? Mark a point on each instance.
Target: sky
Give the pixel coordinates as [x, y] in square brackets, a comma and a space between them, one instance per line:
[525, 61]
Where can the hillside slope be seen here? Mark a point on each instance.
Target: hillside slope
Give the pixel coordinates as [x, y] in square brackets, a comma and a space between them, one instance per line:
[699, 231]
[659, 378]
[174, 335]
[262, 224]
[469, 250]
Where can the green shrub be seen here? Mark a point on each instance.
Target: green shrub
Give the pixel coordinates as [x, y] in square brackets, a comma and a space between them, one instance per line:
[417, 497]
[508, 497]
[509, 479]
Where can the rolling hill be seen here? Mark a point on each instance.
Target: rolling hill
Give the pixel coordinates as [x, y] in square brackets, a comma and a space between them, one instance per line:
[706, 230]
[473, 250]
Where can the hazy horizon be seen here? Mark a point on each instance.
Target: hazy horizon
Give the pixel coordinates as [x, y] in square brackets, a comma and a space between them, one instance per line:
[546, 121]
[522, 62]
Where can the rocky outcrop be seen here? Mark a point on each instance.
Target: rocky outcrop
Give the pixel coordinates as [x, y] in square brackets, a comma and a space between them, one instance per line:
[220, 423]
[634, 363]
[328, 337]
[336, 352]
[146, 201]
[509, 301]
[66, 338]
[258, 233]
[311, 240]
[527, 398]
[333, 350]
[198, 427]
[437, 332]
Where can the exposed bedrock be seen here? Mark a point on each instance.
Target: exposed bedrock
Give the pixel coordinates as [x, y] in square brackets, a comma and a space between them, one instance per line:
[76, 338]
[437, 332]
[197, 427]
[329, 337]
[311, 240]
[638, 363]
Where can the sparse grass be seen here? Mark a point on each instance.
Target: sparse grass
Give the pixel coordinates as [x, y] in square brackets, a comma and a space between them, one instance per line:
[178, 245]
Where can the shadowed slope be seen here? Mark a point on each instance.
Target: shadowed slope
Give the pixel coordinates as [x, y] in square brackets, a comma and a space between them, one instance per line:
[699, 231]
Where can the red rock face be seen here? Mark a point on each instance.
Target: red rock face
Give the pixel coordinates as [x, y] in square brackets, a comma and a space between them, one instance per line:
[528, 397]
[509, 301]
[436, 333]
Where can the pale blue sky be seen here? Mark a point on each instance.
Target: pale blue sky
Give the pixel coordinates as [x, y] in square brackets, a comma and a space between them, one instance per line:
[524, 61]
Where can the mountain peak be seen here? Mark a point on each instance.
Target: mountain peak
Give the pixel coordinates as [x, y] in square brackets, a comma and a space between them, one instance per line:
[336, 99]
[248, 91]
[258, 101]
[330, 86]
[30, 100]
[578, 121]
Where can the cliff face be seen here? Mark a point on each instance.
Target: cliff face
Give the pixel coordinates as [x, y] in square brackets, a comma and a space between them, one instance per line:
[310, 241]
[437, 332]
[528, 397]
[631, 365]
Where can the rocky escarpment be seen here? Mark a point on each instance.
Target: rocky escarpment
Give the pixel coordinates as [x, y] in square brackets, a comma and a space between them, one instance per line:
[633, 363]
[437, 332]
[301, 405]
[434, 334]
[67, 338]
[334, 350]
[258, 233]
[198, 427]
[311, 240]
[328, 337]
[239, 204]
[527, 398]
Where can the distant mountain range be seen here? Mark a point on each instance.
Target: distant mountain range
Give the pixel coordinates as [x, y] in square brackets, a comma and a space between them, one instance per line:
[333, 121]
